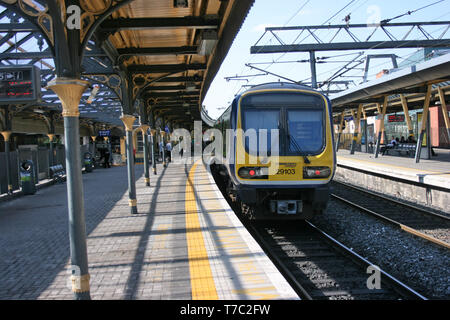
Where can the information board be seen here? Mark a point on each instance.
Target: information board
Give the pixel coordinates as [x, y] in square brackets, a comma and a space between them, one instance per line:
[104, 133]
[396, 118]
[19, 84]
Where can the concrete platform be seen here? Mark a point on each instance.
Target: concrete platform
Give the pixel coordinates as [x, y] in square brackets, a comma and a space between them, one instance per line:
[186, 243]
[426, 182]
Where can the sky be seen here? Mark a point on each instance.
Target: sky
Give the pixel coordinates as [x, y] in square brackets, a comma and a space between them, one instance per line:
[269, 13]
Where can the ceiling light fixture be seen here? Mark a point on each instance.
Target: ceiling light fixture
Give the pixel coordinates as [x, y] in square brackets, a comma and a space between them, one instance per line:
[180, 4]
[208, 42]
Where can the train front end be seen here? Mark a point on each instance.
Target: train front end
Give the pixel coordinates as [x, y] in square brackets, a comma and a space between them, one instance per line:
[284, 157]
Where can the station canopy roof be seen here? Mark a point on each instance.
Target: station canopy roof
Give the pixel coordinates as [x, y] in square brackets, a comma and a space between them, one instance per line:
[411, 81]
[172, 48]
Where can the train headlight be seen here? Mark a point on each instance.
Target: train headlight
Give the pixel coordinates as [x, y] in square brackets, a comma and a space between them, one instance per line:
[316, 172]
[253, 173]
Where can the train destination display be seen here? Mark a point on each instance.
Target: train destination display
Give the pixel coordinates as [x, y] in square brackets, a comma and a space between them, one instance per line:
[19, 84]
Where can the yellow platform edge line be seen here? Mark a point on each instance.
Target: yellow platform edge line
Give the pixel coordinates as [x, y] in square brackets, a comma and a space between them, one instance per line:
[202, 281]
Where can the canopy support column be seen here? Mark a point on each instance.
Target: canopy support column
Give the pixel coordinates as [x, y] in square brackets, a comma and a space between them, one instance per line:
[128, 121]
[381, 129]
[144, 129]
[6, 136]
[444, 111]
[69, 91]
[407, 118]
[341, 126]
[423, 126]
[357, 127]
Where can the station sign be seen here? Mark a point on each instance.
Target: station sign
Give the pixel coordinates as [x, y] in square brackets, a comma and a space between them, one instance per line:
[396, 118]
[19, 84]
[104, 133]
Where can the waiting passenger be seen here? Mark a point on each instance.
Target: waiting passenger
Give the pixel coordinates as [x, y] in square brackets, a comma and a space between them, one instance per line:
[402, 140]
[390, 145]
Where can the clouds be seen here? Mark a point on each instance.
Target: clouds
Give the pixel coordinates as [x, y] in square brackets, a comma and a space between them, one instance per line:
[262, 27]
[259, 28]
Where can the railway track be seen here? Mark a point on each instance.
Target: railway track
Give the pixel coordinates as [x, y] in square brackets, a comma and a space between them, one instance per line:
[320, 268]
[317, 266]
[420, 222]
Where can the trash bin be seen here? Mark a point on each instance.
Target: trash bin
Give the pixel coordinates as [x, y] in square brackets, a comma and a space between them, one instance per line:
[27, 177]
[88, 162]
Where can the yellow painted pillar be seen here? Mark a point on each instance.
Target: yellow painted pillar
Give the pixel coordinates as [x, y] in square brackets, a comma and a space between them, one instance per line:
[340, 129]
[357, 127]
[406, 112]
[123, 149]
[381, 129]
[444, 111]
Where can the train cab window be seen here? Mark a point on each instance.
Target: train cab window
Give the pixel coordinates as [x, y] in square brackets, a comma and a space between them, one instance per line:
[257, 119]
[306, 131]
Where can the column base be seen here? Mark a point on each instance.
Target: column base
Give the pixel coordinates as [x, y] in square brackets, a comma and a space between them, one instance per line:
[82, 295]
[147, 182]
[133, 206]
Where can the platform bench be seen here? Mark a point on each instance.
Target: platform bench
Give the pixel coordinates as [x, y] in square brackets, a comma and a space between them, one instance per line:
[57, 172]
[404, 149]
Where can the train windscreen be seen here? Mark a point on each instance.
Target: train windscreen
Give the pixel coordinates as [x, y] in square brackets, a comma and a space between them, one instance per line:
[300, 118]
[305, 130]
[260, 119]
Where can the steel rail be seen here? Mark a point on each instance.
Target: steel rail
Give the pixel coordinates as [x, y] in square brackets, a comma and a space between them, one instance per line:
[394, 282]
[393, 222]
[298, 288]
[389, 280]
[407, 205]
[252, 227]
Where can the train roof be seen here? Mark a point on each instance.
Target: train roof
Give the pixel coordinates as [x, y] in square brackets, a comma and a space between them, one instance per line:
[279, 85]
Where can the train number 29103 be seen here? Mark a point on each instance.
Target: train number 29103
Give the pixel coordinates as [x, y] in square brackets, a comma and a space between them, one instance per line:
[286, 171]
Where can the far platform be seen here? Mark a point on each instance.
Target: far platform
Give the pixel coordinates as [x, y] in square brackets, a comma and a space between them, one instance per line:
[434, 172]
[426, 183]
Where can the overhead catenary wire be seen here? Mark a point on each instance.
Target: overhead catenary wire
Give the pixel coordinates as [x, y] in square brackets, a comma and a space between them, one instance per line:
[289, 20]
[329, 19]
[410, 12]
[400, 46]
[360, 5]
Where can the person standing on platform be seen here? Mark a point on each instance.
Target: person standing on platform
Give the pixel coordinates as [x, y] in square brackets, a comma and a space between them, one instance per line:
[107, 159]
[168, 151]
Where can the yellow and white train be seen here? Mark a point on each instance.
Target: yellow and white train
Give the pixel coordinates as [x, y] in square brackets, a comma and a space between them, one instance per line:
[279, 152]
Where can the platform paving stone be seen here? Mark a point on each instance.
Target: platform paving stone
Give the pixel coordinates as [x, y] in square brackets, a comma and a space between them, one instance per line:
[172, 249]
[126, 260]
